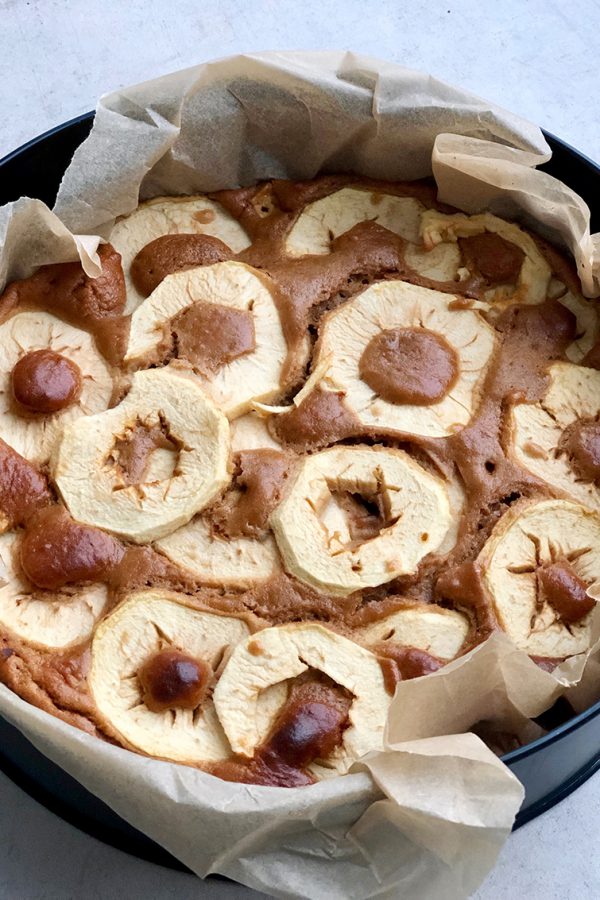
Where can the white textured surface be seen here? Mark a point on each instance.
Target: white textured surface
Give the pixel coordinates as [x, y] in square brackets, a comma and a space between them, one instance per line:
[536, 58]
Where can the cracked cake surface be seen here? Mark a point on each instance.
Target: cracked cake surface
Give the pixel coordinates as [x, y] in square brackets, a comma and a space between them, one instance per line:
[296, 443]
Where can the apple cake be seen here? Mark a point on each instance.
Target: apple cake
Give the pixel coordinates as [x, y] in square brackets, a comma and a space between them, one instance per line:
[297, 442]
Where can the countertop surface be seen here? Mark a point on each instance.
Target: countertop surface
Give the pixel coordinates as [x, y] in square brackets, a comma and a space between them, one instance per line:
[531, 56]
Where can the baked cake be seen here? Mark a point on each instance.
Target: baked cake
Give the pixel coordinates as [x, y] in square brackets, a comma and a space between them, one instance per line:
[297, 442]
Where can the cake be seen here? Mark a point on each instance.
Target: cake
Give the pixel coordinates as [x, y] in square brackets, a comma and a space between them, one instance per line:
[296, 443]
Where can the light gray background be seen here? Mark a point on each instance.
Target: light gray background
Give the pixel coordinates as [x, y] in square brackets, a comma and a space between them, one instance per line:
[538, 58]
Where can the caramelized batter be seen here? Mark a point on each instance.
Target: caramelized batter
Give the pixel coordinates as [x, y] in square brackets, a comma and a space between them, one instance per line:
[45, 382]
[492, 257]
[463, 586]
[132, 452]
[282, 599]
[143, 567]
[401, 663]
[592, 357]
[94, 304]
[209, 336]
[258, 484]
[172, 680]
[56, 551]
[54, 682]
[311, 724]
[366, 515]
[411, 366]
[581, 442]
[565, 591]
[23, 488]
[173, 253]
[321, 419]
[309, 727]
[262, 769]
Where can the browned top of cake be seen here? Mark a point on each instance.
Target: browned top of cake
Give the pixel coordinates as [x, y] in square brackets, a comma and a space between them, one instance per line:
[411, 365]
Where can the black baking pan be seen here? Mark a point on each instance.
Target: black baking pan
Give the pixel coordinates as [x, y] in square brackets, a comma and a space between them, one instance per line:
[549, 768]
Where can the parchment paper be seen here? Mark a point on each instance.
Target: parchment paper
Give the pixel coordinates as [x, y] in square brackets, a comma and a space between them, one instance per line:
[495, 683]
[476, 175]
[427, 817]
[32, 236]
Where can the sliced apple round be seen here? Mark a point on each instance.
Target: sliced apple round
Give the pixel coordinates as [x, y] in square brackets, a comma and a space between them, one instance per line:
[538, 565]
[539, 432]
[456, 501]
[171, 215]
[49, 620]
[439, 263]
[277, 654]
[326, 219]
[424, 626]
[535, 273]
[588, 323]
[395, 307]
[217, 560]
[33, 433]
[253, 370]
[142, 627]
[90, 462]
[315, 535]
[250, 432]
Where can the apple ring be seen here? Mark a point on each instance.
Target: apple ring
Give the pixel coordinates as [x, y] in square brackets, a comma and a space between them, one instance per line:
[46, 619]
[321, 222]
[276, 654]
[558, 438]
[37, 353]
[537, 566]
[99, 473]
[315, 534]
[171, 215]
[217, 560]
[143, 627]
[409, 323]
[534, 274]
[252, 367]
[438, 631]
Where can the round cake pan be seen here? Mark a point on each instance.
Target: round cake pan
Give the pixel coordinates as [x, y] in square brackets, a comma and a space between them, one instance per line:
[549, 768]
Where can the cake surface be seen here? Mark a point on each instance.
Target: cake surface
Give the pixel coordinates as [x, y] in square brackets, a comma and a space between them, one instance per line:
[296, 443]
